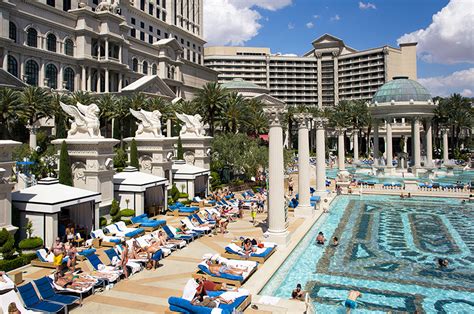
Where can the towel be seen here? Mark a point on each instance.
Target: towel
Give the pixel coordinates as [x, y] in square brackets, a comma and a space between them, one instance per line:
[232, 295]
[190, 289]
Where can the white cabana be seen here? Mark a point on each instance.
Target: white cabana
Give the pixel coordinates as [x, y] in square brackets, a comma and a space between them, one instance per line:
[191, 179]
[142, 190]
[52, 206]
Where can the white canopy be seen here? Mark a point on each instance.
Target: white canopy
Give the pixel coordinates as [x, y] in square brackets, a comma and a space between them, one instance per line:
[49, 196]
[184, 171]
[131, 180]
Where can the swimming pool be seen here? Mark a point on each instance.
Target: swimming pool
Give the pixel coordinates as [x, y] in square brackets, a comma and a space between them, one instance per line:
[387, 250]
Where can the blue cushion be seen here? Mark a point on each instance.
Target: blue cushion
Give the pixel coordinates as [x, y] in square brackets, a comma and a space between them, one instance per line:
[31, 300]
[185, 306]
[263, 254]
[40, 257]
[225, 276]
[48, 294]
[87, 252]
[117, 241]
[157, 255]
[150, 224]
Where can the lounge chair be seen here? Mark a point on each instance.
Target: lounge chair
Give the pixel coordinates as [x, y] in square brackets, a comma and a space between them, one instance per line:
[131, 232]
[144, 241]
[126, 232]
[199, 200]
[47, 293]
[45, 259]
[98, 265]
[12, 297]
[172, 235]
[179, 209]
[202, 221]
[75, 291]
[260, 255]
[235, 280]
[146, 223]
[187, 222]
[112, 255]
[242, 300]
[33, 302]
[106, 240]
[178, 245]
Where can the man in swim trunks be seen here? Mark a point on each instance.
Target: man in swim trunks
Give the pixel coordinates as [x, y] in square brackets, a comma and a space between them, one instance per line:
[298, 294]
[351, 303]
[58, 251]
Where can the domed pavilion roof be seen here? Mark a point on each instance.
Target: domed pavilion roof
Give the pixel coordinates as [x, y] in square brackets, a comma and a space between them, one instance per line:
[401, 89]
[239, 84]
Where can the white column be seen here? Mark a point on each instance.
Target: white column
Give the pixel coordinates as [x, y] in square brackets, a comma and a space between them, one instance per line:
[277, 224]
[320, 156]
[83, 78]
[120, 82]
[304, 208]
[429, 144]
[89, 79]
[376, 143]
[168, 128]
[60, 78]
[99, 81]
[5, 60]
[355, 134]
[106, 80]
[106, 49]
[120, 53]
[389, 151]
[445, 145]
[416, 143]
[341, 154]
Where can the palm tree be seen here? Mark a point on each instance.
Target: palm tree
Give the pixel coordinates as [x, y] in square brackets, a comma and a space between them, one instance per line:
[34, 104]
[209, 101]
[233, 112]
[82, 97]
[107, 103]
[8, 103]
[360, 116]
[254, 120]
[59, 117]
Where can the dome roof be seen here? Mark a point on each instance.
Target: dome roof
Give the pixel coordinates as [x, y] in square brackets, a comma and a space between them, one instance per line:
[401, 89]
[240, 84]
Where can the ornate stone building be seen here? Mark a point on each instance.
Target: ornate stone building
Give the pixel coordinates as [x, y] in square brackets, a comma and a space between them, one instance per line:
[105, 46]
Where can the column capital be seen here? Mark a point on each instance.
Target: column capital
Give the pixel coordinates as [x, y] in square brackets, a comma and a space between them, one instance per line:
[355, 131]
[340, 130]
[444, 130]
[417, 118]
[274, 114]
[302, 118]
[320, 123]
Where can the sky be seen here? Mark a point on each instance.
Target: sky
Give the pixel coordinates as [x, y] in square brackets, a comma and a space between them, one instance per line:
[443, 29]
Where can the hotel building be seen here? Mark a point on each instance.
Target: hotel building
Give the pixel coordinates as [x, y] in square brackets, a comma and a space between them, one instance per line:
[331, 71]
[152, 46]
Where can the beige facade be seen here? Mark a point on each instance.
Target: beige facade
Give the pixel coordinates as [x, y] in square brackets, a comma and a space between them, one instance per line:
[329, 72]
[104, 46]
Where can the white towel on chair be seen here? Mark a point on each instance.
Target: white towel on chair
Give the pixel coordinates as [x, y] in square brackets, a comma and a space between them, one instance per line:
[190, 289]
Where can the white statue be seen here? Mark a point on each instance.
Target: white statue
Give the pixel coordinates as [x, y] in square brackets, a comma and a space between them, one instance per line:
[149, 122]
[108, 5]
[86, 120]
[192, 125]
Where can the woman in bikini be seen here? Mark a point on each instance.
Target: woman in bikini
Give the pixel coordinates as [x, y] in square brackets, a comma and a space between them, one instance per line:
[219, 268]
[248, 247]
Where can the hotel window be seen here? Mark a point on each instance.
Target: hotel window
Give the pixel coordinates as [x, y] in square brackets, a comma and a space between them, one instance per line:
[66, 5]
[194, 57]
[12, 66]
[167, 35]
[135, 65]
[182, 41]
[150, 8]
[133, 32]
[187, 43]
[158, 32]
[164, 4]
[51, 42]
[51, 3]
[133, 21]
[150, 39]
[142, 36]
[12, 31]
[32, 37]
[158, 13]
[142, 5]
[69, 47]
[142, 25]
[188, 55]
[163, 16]
[154, 69]
[51, 75]
[145, 67]
[68, 78]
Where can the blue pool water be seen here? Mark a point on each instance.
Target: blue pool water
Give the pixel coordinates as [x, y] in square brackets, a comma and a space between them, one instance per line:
[388, 250]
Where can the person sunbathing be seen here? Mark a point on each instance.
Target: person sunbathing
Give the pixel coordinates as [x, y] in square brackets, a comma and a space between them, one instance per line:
[196, 223]
[137, 252]
[72, 282]
[248, 247]
[219, 268]
[165, 240]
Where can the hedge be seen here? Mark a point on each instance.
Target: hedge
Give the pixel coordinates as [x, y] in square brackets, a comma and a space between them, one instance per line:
[183, 195]
[31, 243]
[17, 262]
[102, 221]
[127, 213]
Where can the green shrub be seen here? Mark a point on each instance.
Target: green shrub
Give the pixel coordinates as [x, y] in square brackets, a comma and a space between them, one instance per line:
[127, 221]
[215, 179]
[186, 202]
[134, 155]
[102, 221]
[174, 193]
[30, 243]
[183, 195]
[120, 159]
[8, 247]
[127, 213]
[65, 171]
[4, 234]
[179, 149]
[17, 262]
[237, 182]
[115, 211]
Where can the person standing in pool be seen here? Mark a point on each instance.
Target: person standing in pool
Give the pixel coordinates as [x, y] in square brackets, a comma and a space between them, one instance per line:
[298, 294]
[351, 301]
[320, 238]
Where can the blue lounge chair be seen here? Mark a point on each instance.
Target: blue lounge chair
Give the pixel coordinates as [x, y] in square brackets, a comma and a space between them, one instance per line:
[170, 234]
[200, 220]
[47, 293]
[33, 302]
[146, 223]
[184, 306]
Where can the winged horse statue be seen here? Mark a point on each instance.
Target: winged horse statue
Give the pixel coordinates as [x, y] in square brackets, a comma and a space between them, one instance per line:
[149, 122]
[192, 125]
[85, 122]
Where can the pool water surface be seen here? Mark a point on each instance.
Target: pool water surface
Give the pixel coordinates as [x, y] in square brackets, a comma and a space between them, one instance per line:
[388, 250]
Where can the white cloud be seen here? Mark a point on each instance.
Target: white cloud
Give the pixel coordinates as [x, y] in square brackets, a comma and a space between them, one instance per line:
[309, 25]
[335, 17]
[366, 6]
[316, 16]
[291, 26]
[233, 22]
[450, 36]
[461, 82]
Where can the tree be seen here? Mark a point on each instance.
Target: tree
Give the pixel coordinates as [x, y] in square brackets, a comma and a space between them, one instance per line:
[7, 244]
[107, 104]
[115, 210]
[179, 149]
[65, 173]
[209, 101]
[232, 114]
[60, 118]
[134, 155]
[254, 120]
[82, 97]
[8, 104]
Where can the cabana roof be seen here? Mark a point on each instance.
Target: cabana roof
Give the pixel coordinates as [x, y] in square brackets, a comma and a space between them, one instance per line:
[184, 171]
[49, 196]
[131, 180]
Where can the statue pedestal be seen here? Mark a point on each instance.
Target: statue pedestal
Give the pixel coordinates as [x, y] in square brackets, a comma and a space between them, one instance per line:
[6, 187]
[155, 155]
[196, 150]
[92, 166]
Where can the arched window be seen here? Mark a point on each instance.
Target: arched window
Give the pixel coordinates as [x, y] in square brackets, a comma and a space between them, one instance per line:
[51, 42]
[69, 47]
[68, 78]
[154, 69]
[145, 67]
[135, 65]
[32, 37]
[51, 76]
[12, 31]
[31, 72]
[12, 66]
